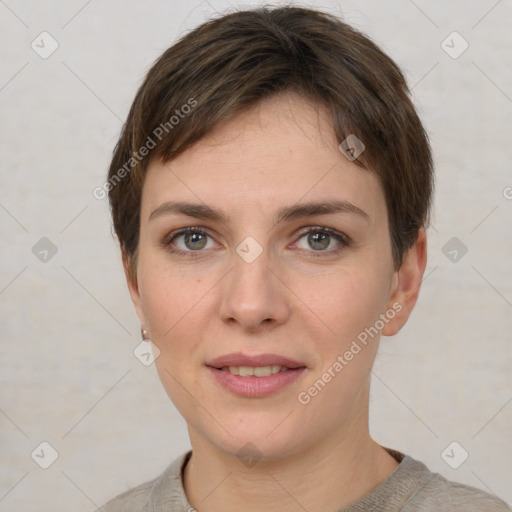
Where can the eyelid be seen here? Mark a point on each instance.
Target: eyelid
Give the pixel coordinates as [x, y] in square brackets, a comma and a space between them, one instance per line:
[330, 231]
[343, 239]
[167, 239]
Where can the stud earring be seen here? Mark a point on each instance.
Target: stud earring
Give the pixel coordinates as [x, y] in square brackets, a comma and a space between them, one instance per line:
[144, 334]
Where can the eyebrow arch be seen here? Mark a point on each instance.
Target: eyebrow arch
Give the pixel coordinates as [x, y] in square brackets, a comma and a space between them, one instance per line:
[287, 213]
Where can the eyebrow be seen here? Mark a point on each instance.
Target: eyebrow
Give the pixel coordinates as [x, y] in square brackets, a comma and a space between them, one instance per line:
[297, 211]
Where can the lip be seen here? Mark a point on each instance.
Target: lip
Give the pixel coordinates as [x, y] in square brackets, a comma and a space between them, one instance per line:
[239, 359]
[251, 386]
[255, 387]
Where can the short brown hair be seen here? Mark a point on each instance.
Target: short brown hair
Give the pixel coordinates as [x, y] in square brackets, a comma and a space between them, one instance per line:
[230, 63]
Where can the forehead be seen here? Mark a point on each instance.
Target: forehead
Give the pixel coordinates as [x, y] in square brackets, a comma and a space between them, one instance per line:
[280, 152]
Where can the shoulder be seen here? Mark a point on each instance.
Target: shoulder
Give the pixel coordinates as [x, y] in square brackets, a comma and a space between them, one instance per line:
[162, 493]
[440, 494]
[133, 500]
[413, 487]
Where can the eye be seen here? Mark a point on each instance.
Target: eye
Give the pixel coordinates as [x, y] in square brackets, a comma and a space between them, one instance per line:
[193, 239]
[319, 239]
[316, 239]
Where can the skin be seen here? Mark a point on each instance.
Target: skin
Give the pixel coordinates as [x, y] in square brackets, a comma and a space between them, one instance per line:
[287, 302]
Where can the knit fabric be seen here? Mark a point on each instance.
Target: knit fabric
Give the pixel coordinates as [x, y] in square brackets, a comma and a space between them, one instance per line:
[412, 487]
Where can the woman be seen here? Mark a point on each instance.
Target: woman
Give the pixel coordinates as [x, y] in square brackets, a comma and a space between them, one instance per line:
[270, 192]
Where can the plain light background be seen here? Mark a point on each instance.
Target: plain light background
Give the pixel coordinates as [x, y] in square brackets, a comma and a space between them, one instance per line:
[67, 371]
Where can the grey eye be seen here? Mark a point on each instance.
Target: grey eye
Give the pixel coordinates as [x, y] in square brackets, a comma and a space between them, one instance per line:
[319, 241]
[195, 241]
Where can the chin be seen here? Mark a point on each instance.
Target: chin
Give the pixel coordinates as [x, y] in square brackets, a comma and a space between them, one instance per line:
[262, 441]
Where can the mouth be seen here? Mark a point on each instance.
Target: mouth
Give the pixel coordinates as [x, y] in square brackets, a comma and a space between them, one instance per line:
[243, 361]
[255, 376]
[256, 371]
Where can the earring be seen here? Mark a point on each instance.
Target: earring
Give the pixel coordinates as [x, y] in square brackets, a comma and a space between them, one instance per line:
[144, 334]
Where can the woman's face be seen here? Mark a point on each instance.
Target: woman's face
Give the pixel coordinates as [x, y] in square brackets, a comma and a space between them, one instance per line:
[269, 278]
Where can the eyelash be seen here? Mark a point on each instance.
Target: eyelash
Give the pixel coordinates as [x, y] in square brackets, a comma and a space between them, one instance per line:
[344, 240]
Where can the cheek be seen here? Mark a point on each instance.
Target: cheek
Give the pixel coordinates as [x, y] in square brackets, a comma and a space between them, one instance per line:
[177, 305]
[348, 302]
[342, 302]
[173, 309]
[170, 298]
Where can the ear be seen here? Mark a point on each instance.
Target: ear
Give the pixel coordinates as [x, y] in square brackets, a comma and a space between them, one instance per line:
[406, 284]
[133, 288]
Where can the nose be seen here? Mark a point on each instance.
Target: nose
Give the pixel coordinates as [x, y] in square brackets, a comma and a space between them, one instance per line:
[254, 295]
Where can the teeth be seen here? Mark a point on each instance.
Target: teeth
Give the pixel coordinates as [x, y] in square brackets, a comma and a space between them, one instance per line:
[262, 371]
[245, 371]
[258, 371]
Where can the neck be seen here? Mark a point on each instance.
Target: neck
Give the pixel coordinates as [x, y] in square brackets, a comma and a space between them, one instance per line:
[326, 476]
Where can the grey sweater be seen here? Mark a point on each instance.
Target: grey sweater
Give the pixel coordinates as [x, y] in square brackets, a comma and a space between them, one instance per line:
[412, 487]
